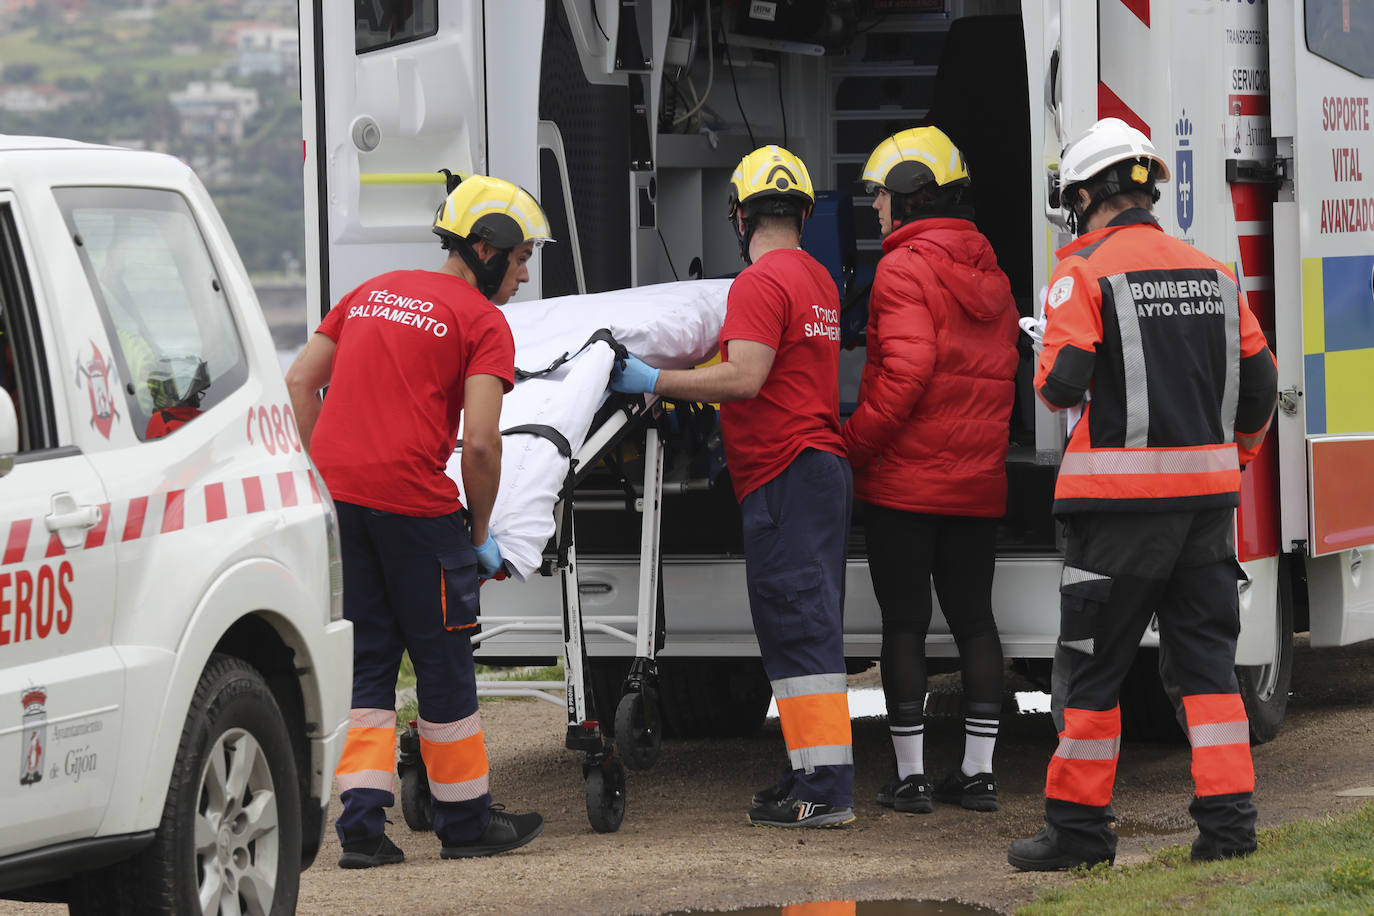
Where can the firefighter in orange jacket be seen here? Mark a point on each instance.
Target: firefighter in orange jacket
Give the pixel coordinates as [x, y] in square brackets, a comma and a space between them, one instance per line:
[1152, 341]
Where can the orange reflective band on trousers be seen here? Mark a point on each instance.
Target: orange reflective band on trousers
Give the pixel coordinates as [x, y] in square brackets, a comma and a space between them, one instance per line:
[814, 712]
[1219, 732]
[369, 754]
[1083, 767]
[821, 908]
[455, 756]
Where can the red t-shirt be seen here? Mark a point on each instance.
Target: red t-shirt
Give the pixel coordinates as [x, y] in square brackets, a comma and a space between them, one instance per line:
[407, 342]
[787, 301]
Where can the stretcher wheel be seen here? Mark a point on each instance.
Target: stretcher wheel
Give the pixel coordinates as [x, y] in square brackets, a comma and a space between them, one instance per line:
[606, 795]
[638, 728]
[416, 804]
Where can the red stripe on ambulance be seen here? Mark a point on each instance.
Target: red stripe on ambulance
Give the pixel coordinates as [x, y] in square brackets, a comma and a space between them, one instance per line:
[1247, 103]
[96, 536]
[286, 481]
[214, 502]
[1110, 105]
[133, 524]
[18, 541]
[1141, 9]
[252, 494]
[172, 513]
[175, 507]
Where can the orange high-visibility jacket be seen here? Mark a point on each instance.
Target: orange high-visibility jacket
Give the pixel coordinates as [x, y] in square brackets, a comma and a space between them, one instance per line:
[1181, 383]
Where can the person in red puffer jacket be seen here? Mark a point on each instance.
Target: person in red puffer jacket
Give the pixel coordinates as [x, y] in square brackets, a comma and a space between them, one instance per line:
[928, 444]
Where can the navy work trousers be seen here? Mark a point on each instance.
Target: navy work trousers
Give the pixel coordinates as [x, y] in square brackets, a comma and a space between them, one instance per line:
[796, 529]
[396, 595]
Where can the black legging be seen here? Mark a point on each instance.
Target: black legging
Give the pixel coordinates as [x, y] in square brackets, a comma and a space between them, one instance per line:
[906, 550]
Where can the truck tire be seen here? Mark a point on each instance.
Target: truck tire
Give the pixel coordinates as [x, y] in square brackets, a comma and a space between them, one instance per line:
[1147, 713]
[1264, 688]
[699, 697]
[234, 783]
[713, 697]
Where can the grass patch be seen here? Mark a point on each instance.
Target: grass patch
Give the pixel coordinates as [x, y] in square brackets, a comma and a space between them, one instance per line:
[406, 679]
[1310, 867]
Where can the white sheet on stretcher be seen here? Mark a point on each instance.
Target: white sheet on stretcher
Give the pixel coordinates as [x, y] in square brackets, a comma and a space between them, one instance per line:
[668, 325]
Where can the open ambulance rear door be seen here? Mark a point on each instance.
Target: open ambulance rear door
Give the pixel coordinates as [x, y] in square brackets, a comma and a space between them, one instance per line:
[392, 93]
[1322, 72]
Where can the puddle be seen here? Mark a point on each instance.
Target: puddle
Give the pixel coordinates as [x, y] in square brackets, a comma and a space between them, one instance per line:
[863, 908]
[1138, 829]
[866, 702]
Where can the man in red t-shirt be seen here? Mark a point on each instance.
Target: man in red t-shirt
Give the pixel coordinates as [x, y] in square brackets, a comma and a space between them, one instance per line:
[405, 355]
[778, 386]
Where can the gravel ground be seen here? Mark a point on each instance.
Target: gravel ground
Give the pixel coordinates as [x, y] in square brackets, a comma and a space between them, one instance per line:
[685, 844]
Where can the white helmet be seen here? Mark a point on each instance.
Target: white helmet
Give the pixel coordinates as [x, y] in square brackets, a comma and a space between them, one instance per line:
[1112, 151]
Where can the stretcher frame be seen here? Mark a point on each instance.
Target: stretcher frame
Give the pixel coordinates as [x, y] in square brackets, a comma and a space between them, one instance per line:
[638, 732]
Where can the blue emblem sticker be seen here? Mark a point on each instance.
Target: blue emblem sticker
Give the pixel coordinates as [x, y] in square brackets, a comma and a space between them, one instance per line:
[1183, 171]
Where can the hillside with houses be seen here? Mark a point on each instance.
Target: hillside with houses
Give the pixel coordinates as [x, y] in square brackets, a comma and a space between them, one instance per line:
[213, 82]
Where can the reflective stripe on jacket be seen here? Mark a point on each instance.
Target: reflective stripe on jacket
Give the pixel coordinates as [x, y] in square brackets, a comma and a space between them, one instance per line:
[1180, 381]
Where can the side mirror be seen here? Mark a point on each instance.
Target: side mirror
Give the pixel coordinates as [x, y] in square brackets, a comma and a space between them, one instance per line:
[9, 433]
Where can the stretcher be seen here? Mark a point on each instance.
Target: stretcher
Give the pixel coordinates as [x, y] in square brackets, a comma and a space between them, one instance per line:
[558, 424]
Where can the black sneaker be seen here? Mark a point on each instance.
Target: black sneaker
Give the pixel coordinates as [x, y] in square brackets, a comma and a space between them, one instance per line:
[778, 790]
[976, 793]
[911, 794]
[371, 853]
[504, 832]
[1205, 850]
[1041, 853]
[769, 796]
[792, 812]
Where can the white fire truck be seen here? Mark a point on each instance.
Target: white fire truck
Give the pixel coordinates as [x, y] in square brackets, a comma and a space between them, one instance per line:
[625, 117]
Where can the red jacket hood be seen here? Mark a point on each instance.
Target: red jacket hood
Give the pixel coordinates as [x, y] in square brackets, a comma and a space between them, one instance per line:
[963, 262]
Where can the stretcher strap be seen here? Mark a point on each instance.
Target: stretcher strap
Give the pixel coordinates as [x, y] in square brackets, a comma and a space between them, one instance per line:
[602, 334]
[559, 440]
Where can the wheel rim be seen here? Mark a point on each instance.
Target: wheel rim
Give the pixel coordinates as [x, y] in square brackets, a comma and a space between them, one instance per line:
[236, 828]
[1267, 676]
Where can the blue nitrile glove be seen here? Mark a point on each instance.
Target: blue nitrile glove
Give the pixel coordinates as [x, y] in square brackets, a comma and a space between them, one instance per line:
[488, 557]
[633, 375]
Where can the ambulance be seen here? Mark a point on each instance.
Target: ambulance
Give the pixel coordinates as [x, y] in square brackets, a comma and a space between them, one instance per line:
[626, 117]
[175, 672]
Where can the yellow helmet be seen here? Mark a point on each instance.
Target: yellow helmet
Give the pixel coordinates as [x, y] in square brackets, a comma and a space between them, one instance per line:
[771, 174]
[493, 210]
[913, 158]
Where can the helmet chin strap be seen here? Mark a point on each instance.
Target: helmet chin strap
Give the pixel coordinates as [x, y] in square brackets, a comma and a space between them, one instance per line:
[1109, 185]
[744, 237]
[489, 274]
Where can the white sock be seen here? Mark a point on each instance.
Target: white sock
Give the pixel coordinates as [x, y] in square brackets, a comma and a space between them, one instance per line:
[908, 742]
[980, 735]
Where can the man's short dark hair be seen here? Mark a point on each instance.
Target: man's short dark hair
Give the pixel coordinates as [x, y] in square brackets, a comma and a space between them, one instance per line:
[775, 213]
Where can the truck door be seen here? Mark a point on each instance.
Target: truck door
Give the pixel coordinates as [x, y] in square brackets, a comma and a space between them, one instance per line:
[393, 93]
[61, 681]
[396, 95]
[1322, 61]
